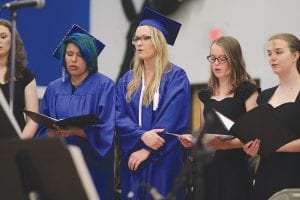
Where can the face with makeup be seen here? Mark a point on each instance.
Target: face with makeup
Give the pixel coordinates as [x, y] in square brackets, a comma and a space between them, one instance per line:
[281, 59]
[219, 62]
[75, 63]
[5, 40]
[143, 44]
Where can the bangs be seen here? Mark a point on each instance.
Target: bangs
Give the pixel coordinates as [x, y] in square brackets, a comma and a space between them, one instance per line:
[87, 48]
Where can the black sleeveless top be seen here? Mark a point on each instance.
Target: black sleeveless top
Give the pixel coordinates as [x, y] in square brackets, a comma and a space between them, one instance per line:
[19, 95]
[289, 113]
[228, 176]
[280, 169]
[231, 107]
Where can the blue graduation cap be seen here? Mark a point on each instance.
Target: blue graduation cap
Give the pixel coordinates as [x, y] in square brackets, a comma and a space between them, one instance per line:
[167, 26]
[77, 29]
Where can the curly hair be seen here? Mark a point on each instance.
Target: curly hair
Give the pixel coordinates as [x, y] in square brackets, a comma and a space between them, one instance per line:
[20, 58]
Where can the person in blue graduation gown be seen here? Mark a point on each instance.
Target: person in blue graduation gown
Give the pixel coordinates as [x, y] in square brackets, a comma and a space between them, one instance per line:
[153, 100]
[84, 91]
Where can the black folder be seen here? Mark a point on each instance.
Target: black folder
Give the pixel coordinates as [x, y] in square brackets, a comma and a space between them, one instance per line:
[43, 169]
[78, 121]
[260, 123]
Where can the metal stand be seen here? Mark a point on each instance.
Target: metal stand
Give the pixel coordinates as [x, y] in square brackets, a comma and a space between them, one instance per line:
[194, 170]
[12, 59]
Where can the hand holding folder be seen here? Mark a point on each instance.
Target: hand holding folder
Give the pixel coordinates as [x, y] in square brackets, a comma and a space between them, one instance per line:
[183, 137]
[77, 121]
[208, 137]
[261, 124]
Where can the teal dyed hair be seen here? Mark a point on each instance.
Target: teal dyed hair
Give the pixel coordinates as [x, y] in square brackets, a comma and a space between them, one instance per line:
[87, 48]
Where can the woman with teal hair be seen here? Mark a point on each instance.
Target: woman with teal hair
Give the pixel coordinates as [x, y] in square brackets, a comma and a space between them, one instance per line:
[83, 90]
[87, 49]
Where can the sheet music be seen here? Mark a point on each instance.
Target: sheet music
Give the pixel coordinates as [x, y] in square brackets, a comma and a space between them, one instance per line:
[173, 134]
[260, 123]
[208, 137]
[77, 121]
[192, 139]
[228, 123]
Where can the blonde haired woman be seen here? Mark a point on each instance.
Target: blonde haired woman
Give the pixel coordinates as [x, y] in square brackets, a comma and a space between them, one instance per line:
[150, 101]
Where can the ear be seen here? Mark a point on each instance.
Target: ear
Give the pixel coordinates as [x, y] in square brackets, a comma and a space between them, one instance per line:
[296, 55]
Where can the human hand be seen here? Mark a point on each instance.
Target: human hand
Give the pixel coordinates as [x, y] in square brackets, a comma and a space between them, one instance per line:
[217, 143]
[186, 140]
[69, 131]
[252, 147]
[152, 139]
[136, 158]
[53, 133]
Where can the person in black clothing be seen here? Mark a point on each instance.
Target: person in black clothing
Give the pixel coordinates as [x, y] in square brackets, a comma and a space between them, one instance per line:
[280, 169]
[25, 94]
[231, 92]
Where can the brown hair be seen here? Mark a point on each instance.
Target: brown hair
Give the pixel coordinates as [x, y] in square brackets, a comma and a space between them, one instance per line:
[292, 41]
[233, 52]
[20, 60]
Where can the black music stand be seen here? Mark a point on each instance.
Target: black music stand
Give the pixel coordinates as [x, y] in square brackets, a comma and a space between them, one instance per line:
[43, 169]
[194, 169]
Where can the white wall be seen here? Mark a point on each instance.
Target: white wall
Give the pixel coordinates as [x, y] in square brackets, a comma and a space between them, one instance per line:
[252, 22]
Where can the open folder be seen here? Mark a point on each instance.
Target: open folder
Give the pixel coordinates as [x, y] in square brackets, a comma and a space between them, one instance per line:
[208, 137]
[259, 123]
[78, 121]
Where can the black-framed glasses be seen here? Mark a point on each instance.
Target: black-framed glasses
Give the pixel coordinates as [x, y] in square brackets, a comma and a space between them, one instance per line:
[221, 59]
[143, 38]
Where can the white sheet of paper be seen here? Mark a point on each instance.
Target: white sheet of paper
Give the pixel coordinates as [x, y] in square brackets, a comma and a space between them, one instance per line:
[178, 135]
[228, 123]
[174, 134]
[208, 137]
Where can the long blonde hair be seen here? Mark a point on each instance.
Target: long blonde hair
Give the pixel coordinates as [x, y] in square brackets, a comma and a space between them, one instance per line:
[162, 64]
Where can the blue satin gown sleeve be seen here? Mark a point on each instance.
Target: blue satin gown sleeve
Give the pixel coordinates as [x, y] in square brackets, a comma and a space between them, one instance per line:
[101, 136]
[126, 120]
[172, 113]
[174, 109]
[95, 96]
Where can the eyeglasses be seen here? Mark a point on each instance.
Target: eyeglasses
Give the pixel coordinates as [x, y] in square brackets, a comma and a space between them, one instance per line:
[221, 59]
[143, 39]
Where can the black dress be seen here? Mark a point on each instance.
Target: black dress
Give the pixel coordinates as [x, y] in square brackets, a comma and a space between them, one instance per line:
[228, 176]
[19, 95]
[280, 170]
